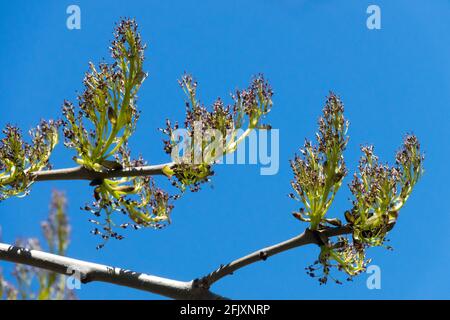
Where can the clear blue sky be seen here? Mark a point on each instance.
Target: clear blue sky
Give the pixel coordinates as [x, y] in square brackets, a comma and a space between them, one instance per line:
[392, 81]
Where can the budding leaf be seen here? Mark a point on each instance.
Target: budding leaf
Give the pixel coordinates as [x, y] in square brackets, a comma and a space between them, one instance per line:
[112, 116]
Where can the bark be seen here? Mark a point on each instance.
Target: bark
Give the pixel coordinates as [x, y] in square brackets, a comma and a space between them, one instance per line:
[81, 173]
[89, 272]
[307, 237]
[195, 289]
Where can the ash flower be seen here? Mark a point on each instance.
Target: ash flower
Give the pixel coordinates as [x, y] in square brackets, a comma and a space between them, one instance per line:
[409, 160]
[19, 159]
[342, 255]
[381, 191]
[100, 129]
[137, 197]
[211, 134]
[108, 102]
[319, 170]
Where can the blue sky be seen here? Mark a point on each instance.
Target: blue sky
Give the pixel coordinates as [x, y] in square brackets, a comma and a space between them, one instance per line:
[392, 81]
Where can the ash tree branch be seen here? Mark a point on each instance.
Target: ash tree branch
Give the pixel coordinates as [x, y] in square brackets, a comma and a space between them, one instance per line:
[81, 173]
[90, 272]
[197, 289]
[307, 237]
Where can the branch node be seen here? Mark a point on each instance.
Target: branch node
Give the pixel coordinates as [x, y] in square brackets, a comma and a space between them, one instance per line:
[263, 255]
[202, 283]
[85, 278]
[320, 238]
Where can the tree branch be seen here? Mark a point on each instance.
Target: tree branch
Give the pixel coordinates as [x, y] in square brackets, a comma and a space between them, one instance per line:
[196, 289]
[307, 237]
[81, 173]
[90, 272]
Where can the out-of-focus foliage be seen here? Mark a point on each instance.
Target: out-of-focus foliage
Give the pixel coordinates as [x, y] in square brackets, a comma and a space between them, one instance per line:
[34, 283]
[380, 192]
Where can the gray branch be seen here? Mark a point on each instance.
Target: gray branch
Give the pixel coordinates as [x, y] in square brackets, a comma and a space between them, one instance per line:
[307, 237]
[81, 173]
[89, 272]
[196, 289]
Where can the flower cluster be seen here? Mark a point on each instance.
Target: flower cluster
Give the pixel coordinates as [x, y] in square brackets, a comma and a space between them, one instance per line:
[208, 135]
[319, 171]
[108, 102]
[379, 190]
[409, 160]
[99, 126]
[137, 197]
[343, 255]
[100, 130]
[19, 159]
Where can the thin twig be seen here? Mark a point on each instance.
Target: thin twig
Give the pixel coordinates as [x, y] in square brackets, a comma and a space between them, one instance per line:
[307, 237]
